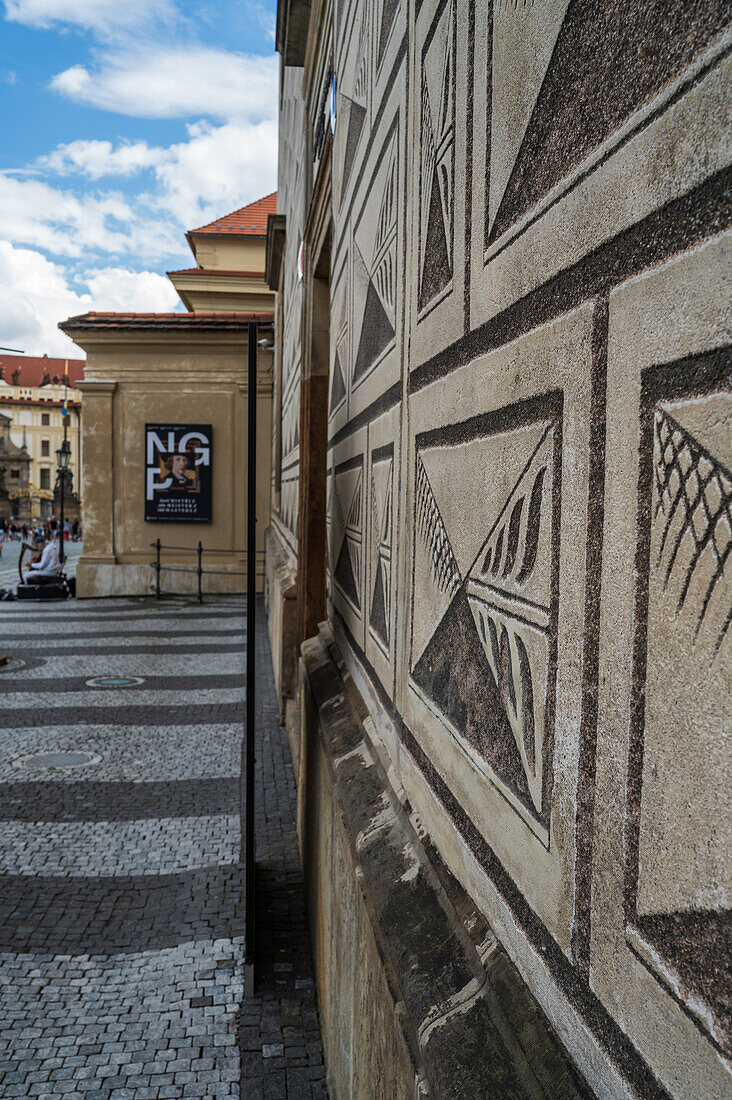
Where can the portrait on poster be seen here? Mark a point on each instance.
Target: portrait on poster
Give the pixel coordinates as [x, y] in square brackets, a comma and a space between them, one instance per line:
[178, 472]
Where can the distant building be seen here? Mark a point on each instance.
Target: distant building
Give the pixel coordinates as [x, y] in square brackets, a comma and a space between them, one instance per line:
[32, 394]
[15, 465]
[230, 253]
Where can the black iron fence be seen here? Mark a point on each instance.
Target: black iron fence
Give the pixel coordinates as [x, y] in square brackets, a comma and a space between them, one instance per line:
[199, 551]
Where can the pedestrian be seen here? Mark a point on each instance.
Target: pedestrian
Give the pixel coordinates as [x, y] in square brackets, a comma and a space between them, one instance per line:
[2, 537]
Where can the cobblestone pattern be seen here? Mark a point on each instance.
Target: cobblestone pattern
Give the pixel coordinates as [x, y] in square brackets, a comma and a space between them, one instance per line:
[121, 901]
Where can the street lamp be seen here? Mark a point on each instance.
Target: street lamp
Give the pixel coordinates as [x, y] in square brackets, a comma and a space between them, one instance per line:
[63, 454]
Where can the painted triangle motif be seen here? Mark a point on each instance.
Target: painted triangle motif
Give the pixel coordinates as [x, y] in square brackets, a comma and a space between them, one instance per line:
[454, 674]
[338, 388]
[378, 619]
[356, 116]
[524, 36]
[436, 571]
[381, 526]
[436, 269]
[388, 14]
[596, 41]
[436, 170]
[377, 332]
[346, 574]
[348, 566]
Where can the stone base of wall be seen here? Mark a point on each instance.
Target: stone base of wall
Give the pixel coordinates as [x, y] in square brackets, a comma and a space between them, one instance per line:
[417, 997]
[280, 588]
[96, 580]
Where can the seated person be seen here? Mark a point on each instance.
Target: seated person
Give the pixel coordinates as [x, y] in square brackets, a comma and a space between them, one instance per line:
[45, 570]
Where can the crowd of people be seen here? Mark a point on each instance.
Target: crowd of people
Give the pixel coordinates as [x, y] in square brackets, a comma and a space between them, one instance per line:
[47, 529]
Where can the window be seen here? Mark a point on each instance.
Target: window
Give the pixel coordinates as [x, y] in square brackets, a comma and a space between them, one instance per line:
[45, 448]
[15, 474]
[45, 418]
[45, 478]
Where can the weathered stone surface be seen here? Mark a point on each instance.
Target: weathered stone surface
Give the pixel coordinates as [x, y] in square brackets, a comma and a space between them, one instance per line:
[465, 1021]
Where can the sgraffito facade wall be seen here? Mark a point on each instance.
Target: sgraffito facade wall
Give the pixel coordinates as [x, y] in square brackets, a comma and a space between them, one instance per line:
[529, 483]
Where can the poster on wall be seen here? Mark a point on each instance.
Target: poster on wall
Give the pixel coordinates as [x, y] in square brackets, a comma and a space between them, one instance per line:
[178, 473]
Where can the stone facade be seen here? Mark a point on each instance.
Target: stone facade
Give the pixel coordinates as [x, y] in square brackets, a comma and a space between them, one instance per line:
[519, 218]
[168, 369]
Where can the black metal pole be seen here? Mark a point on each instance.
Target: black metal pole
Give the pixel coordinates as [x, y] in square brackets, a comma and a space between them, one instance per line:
[200, 572]
[62, 476]
[248, 748]
[157, 569]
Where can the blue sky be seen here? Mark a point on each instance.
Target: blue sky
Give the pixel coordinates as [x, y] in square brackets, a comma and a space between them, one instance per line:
[122, 124]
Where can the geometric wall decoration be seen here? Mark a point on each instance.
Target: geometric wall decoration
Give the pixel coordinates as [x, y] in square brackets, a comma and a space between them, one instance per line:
[382, 472]
[375, 266]
[389, 10]
[661, 932]
[551, 56]
[482, 640]
[353, 105]
[437, 154]
[524, 36]
[679, 872]
[339, 314]
[348, 530]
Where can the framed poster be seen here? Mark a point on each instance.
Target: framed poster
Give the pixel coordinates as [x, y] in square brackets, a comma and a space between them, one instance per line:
[178, 473]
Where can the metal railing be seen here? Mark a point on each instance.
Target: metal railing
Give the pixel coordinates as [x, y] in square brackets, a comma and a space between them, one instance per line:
[199, 550]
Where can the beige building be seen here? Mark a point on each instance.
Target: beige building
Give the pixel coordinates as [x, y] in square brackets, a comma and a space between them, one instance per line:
[32, 393]
[230, 258]
[499, 563]
[165, 425]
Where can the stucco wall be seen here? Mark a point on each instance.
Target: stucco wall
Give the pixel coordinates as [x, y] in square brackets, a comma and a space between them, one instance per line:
[530, 482]
[202, 380]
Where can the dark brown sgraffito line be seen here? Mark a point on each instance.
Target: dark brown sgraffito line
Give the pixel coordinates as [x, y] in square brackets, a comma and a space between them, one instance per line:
[674, 228]
[584, 821]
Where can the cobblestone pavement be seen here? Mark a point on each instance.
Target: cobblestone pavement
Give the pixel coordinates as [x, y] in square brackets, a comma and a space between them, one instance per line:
[121, 894]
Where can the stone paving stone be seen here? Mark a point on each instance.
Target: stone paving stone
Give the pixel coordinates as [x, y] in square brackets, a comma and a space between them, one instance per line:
[121, 901]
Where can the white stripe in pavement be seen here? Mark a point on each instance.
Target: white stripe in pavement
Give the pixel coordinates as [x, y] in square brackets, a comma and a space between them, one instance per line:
[112, 627]
[90, 849]
[129, 754]
[128, 697]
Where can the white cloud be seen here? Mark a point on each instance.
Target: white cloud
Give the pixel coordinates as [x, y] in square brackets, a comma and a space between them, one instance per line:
[180, 81]
[36, 294]
[102, 16]
[117, 289]
[34, 213]
[219, 169]
[34, 297]
[95, 159]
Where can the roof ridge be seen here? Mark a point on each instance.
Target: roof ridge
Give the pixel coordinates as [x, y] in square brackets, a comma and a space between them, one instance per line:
[257, 211]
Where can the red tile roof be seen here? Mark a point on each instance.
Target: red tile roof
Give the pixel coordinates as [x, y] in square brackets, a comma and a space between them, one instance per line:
[248, 221]
[33, 368]
[141, 322]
